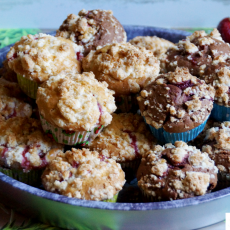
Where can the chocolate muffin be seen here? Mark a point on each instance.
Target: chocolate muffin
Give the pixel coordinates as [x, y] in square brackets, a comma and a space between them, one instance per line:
[176, 172]
[217, 144]
[177, 102]
[92, 29]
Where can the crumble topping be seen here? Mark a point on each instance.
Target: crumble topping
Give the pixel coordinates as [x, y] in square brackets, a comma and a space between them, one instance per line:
[176, 101]
[39, 56]
[23, 144]
[125, 139]
[92, 29]
[75, 101]
[83, 174]
[126, 68]
[176, 172]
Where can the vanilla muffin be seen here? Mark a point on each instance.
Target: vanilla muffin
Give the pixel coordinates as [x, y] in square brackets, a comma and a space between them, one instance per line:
[157, 45]
[92, 29]
[84, 175]
[176, 172]
[175, 104]
[75, 107]
[24, 148]
[125, 140]
[217, 144]
[37, 57]
[126, 69]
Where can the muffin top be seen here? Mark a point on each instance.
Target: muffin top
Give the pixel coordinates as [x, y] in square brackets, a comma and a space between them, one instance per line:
[126, 68]
[75, 101]
[176, 172]
[202, 54]
[176, 101]
[83, 174]
[8, 73]
[92, 29]
[39, 56]
[157, 45]
[23, 144]
[125, 139]
[217, 144]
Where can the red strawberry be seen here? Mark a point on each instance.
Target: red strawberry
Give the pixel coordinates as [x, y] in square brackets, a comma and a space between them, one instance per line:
[224, 29]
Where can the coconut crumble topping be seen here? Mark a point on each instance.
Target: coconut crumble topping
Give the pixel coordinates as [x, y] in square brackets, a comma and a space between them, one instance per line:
[125, 139]
[175, 172]
[75, 101]
[83, 174]
[39, 56]
[176, 101]
[126, 68]
[23, 144]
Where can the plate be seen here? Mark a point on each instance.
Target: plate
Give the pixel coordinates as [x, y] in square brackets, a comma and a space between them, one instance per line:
[70, 213]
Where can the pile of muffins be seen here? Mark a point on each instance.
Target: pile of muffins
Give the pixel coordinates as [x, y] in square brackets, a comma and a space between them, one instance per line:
[79, 109]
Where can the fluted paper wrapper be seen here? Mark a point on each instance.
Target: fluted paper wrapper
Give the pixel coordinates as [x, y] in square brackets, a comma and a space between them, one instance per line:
[67, 137]
[220, 112]
[112, 200]
[29, 87]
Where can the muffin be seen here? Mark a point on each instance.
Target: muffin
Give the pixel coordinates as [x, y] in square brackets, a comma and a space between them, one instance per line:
[37, 57]
[92, 29]
[217, 144]
[75, 107]
[24, 148]
[126, 69]
[125, 140]
[176, 172]
[84, 175]
[8, 73]
[176, 106]
[157, 45]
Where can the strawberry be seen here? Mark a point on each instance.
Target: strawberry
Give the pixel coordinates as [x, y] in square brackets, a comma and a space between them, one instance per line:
[224, 29]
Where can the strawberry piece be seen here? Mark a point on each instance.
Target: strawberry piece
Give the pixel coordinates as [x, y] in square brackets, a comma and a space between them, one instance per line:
[224, 29]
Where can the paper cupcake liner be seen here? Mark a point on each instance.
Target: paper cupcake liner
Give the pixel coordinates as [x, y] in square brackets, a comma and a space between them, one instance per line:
[220, 112]
[32, 177]
[112, 200]
[68, 137]
[165, 137]
[134, 164]
[223, 180]
[126, 103]
[27, 86]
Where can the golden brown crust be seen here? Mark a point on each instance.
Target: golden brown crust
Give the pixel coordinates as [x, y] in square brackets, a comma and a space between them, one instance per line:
[40, 56]
[126, 68]
[83, 174]
[75, 101]
[23, 144]
[92, 29]
[125, 139]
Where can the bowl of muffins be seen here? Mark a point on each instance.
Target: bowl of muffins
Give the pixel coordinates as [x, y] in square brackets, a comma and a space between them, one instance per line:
[112, 127]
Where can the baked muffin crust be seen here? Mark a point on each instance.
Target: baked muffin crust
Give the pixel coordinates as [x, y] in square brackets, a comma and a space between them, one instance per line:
[126, 68]
[8, 73]
[176, 101]
[83, 174]
[125, 139]
[176, 172]
[75, 101]
[92, 29]
[37, 57]
[23, 144]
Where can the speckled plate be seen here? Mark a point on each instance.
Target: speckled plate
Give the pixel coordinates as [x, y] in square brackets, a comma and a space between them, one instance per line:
[72, 213]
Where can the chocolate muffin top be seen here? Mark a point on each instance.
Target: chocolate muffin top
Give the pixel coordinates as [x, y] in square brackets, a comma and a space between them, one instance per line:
[37, 57]
[176, 172]
[92, 29]
[126, 68]
[176, 101]
[125, 139]
[83, 174]
[217, 145]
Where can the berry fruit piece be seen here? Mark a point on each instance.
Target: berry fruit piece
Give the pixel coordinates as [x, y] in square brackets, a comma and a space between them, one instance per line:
[224, 29]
